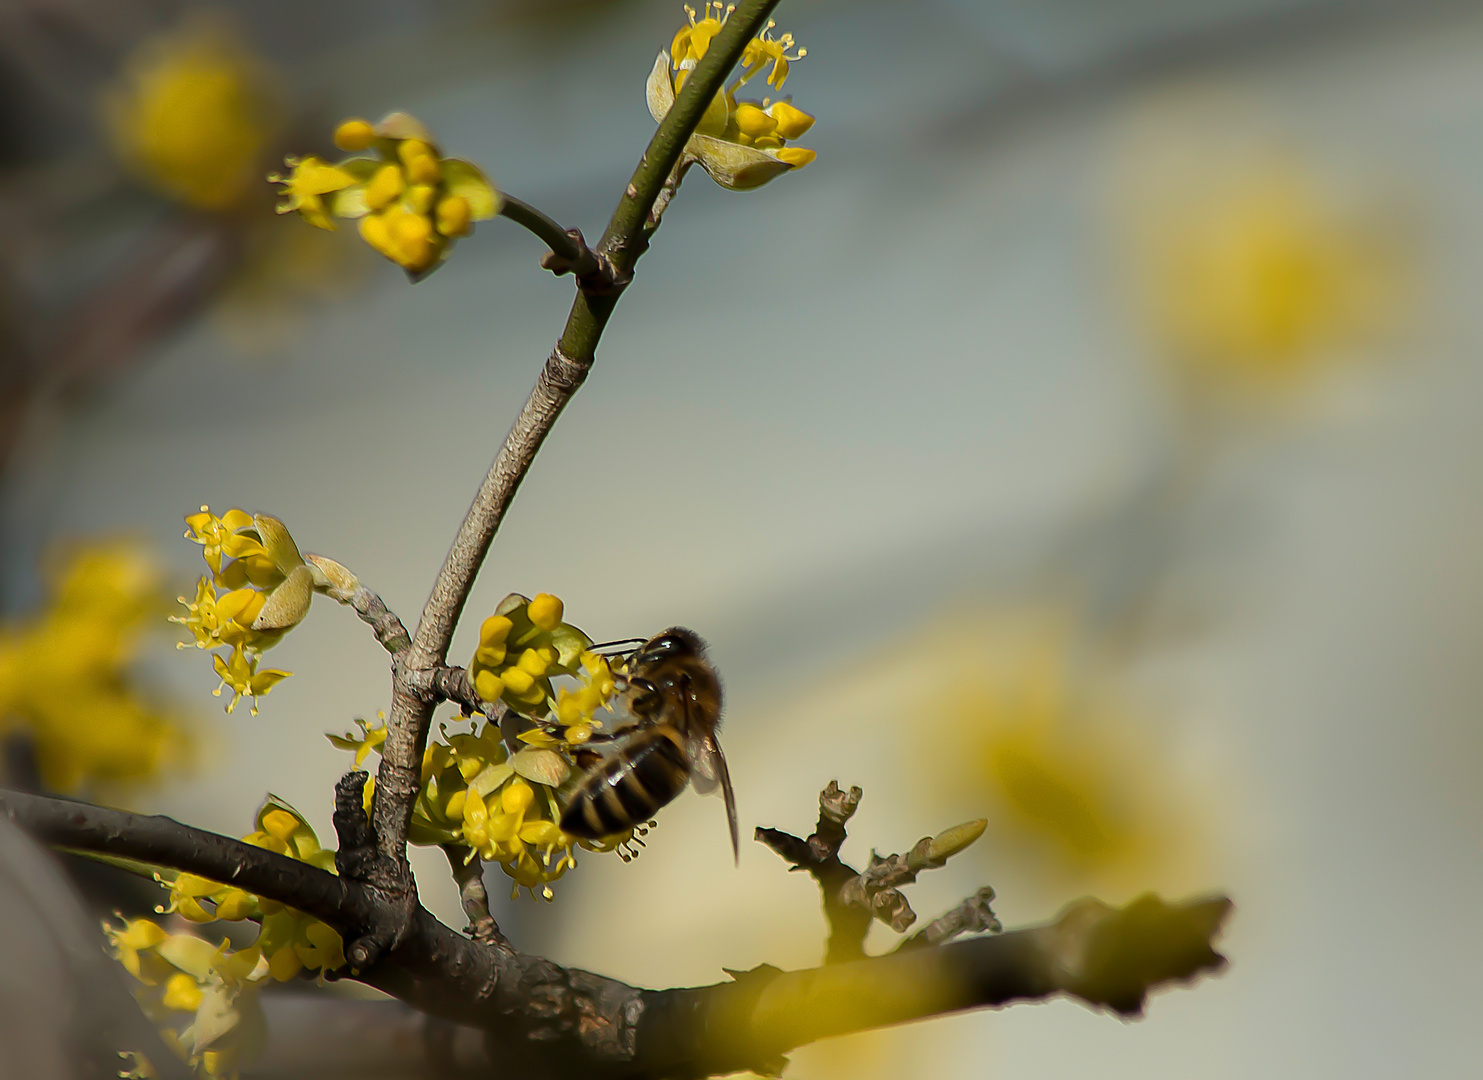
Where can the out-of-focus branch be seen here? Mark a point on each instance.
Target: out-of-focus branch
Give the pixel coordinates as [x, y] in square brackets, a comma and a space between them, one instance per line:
[972, 916]
[819, 855]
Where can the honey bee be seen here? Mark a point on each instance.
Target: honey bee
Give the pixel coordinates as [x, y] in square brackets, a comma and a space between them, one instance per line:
[674, 696]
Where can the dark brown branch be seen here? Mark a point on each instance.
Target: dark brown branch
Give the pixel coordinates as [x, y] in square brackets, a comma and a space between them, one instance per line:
[163, 841]
[547, 1020]
[819, 855]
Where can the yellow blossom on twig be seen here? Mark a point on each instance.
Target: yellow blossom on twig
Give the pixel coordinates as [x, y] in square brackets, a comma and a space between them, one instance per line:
[270, 589]
[740, 144]
[412, 202]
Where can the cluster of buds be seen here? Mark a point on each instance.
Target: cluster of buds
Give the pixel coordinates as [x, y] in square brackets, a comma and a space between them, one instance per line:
[522, 646]
[412, 202]
[741, 144]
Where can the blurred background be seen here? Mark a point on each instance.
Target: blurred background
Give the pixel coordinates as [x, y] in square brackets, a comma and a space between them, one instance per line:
[1087, 441]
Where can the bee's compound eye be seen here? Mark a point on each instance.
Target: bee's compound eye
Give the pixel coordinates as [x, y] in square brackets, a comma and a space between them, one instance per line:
[661, 648]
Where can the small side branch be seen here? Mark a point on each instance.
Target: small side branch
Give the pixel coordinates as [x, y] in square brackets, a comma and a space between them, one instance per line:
[339, 583]
[468, 873]
[852, 899]
[447, 683]
[819, 856]
[569, 252]
[972, 916]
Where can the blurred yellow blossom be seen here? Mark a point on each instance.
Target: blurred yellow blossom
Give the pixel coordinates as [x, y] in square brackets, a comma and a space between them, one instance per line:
[1252, 272]
[1078, 784]
[202, 996]
[412, 202]
[65, 681]
[193, 115]
[740, 144]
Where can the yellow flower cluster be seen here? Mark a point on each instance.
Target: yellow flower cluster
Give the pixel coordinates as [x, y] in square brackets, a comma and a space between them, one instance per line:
[502, 806]
[412, 203]
[193, 115]
[64, 675]
[269, 589]
[740, 144]
[522, 645]
[288, 940]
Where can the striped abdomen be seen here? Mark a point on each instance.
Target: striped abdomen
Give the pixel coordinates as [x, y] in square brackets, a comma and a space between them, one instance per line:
[629, 788]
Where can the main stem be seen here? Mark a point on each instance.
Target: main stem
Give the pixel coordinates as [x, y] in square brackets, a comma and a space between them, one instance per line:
[564, 372]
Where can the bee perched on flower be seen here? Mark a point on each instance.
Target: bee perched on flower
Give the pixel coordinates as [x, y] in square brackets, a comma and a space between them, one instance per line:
[411, 202]
[741, 144]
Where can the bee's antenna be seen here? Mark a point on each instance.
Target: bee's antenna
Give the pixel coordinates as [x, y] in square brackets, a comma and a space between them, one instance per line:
[609, 645]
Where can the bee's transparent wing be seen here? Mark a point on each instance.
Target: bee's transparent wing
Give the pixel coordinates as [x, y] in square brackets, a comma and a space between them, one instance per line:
[707, 770]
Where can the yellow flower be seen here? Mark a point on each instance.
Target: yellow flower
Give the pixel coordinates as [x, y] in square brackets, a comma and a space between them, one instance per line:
[502, 807]
[412, 202]
[192, 115]
[214, 987]
[304, 188]
[740, 144]
[271, 589]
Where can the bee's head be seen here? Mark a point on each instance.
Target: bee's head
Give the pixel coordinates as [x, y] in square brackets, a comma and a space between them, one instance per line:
[673, 643]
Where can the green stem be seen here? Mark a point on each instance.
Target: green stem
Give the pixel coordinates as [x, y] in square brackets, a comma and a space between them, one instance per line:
[563, 374]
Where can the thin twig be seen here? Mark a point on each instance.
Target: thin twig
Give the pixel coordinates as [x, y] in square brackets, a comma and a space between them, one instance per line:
[468, 872]
[381, 619]
[564, 372]
[972, 916]
[569, 251]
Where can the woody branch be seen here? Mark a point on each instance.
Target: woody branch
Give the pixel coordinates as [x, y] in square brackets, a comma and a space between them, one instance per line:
[547, 1020]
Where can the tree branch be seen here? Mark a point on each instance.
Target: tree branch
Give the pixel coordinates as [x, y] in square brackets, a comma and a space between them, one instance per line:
[546, 1020]
[468, 872]
[564, 372]
[852, 899]
[569, 251]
